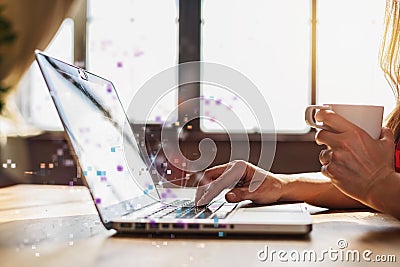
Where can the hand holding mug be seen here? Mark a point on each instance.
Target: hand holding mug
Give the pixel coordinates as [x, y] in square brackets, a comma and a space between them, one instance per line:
[359, 152]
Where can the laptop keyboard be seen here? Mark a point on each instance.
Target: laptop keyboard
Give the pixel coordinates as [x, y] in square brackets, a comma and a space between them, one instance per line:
[185, 209]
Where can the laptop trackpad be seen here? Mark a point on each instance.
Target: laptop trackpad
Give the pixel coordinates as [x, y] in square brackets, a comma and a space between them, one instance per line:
[272, 214]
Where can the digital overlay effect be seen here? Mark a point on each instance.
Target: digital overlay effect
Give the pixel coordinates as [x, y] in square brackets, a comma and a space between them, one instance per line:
[169, 165]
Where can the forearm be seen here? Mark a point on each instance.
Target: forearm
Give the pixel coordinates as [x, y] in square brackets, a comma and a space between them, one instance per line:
[316, 190]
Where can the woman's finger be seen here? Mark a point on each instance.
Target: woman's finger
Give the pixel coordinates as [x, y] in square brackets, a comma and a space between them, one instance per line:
[207, 177]
[334, 121]
[324, 137]
[387, 135]
[325, 156]
[212, 174]
[324, 171]
[233, 172]
[239, 194]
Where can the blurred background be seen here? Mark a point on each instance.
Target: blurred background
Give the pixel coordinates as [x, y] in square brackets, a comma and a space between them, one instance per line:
[297, 52]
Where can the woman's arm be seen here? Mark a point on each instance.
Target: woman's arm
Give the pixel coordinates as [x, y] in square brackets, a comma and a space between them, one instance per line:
[320, 191]
[315, 189]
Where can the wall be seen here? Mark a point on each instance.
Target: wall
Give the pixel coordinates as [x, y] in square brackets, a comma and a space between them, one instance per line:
[46, 159]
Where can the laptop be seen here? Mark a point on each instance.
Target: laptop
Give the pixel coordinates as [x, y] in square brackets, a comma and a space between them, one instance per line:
[123, 181]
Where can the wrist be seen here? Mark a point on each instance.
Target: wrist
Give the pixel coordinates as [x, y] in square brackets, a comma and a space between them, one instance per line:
[380, 193]
[286, 187]
[313, 188]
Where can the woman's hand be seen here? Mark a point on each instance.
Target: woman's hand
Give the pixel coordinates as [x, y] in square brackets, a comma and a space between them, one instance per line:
[354, 161]
[250, 182]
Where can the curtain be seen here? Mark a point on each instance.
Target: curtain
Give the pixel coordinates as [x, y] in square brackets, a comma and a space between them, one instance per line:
[35, 22]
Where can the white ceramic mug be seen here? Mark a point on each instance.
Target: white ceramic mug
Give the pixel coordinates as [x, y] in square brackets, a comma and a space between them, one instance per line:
[368, 118]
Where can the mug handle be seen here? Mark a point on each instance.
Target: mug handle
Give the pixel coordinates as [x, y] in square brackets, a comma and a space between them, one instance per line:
[310, 119]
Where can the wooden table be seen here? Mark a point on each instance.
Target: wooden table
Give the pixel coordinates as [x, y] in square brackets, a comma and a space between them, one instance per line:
[58, 226]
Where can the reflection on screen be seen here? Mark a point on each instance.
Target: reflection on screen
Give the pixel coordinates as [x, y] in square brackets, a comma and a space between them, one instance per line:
[96, 124]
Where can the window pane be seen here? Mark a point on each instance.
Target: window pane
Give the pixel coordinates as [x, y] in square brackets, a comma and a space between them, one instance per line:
[269, 41]
[36, 103]
[349, 38]
[132, 41]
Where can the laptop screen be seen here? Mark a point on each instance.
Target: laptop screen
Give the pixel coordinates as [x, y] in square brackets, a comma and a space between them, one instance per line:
[101, 138]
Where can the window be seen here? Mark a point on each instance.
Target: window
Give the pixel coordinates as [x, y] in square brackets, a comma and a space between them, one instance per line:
[269, 41]
[130, 42]
[36, 103]
[349, 39]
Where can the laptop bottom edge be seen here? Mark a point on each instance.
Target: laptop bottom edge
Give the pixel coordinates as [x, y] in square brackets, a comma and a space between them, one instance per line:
[209, 228]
